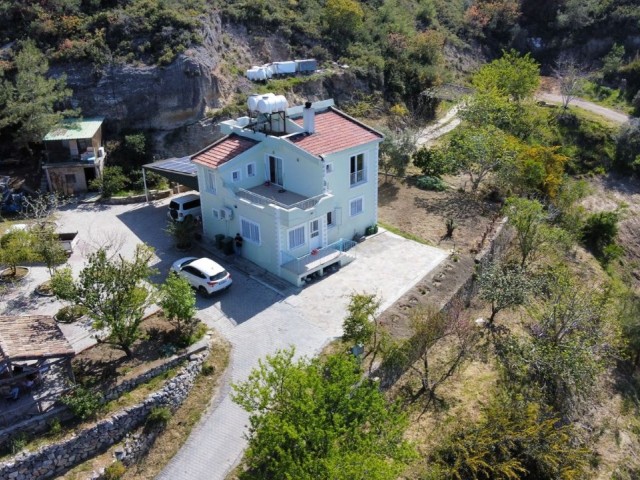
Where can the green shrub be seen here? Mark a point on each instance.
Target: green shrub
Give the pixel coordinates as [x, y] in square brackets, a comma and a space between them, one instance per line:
[431, 183]
[55, 427]
[111, 182]
[159, 416]
[115, 471]
[19, 442]
[600, 230]
[83, 402]
[208, 369]
[70, 313]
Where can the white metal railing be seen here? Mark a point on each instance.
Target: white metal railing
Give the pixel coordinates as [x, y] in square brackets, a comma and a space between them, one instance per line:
[258, 199]
[298, 264]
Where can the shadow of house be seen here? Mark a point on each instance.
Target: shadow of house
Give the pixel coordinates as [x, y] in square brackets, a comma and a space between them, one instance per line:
[74, 155]
[35, 366]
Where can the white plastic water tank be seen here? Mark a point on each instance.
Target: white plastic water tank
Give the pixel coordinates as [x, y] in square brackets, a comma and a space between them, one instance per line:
[252, 101]
[276, 103]
[251, 73]
[243, 121]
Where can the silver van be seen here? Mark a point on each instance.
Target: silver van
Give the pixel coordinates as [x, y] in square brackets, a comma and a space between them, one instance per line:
[185, 207]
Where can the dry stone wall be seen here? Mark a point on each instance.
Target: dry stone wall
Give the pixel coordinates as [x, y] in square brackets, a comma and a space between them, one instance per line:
[52, 460]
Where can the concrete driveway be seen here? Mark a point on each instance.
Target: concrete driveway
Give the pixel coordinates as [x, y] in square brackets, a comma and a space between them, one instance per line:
[256, 318]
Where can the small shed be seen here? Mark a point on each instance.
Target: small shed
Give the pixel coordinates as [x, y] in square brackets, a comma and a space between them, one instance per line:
[27, 343]
[74, 154]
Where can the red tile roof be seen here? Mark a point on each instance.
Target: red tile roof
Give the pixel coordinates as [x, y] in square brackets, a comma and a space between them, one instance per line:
[32, 337]
[223, 150]
[335, 131]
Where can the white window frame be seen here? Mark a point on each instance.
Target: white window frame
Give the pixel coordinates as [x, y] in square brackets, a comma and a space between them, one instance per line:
[333, 219]
[295, 231]
[211, 182]
[216, 214]
[236, 176]
[351, 205]
[251, 166]
[253, 227]
[353, 176]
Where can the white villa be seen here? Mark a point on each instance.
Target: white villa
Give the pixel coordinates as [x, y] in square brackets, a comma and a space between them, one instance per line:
[299, 184]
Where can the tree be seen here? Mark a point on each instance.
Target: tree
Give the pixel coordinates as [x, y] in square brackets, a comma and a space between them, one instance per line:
[513, 76]
[514, 439]
[439, 346]
[16, 247]
[178, 302]
[114, 291]
[628, 146]
[600, 230]
[539, 169]
[343, 19]
[47, 247]
[112, 181]
[182, 232]
[533, 232]
[503, 287]
[478, 151]
[432, 162]
[571, 77]
[396, 150]
[568, 344]
[311, 418]
[31, 98]
[361, 327]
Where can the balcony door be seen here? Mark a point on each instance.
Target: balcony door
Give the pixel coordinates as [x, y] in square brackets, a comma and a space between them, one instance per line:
[275, 171]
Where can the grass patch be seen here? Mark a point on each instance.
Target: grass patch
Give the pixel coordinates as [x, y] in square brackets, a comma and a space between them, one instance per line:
[605, 96]
[403, 234]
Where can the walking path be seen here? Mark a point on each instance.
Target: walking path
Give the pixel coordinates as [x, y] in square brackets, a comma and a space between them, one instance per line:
[432, 132]
[608, 113]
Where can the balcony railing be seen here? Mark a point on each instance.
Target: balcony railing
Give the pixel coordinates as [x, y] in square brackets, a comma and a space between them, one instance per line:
[321, 258]
[258, 199]
[357, 177]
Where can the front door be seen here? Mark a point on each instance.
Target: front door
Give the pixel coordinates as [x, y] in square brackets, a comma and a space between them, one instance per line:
[315, 240]
[275, 171]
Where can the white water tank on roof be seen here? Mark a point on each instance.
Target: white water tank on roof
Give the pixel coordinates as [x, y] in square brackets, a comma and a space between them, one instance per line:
[252, 101]
[275, 103]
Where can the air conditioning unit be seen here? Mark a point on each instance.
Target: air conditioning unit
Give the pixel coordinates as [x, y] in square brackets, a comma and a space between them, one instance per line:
[226, 213]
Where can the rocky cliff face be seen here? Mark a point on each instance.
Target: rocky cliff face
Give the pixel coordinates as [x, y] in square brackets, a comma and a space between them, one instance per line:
[155, 98]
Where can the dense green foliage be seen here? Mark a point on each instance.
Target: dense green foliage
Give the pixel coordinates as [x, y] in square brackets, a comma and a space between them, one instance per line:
[115, 292]
[514, 439]
[319, 419]
[102, 31]
[28, 99]
[178, 302]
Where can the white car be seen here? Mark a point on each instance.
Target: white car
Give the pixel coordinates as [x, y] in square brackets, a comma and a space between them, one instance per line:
[203, 274]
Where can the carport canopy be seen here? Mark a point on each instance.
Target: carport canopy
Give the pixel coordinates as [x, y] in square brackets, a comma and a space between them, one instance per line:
[179, 170]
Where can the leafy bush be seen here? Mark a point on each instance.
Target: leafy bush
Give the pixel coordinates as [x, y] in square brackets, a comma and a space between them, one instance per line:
[112, 181]
[115, 471]
[159, 416]
[431, 183]
[18, 443]
[83, 402]
[600, 231]
[70, 313]
[628, 146]
[431, 162]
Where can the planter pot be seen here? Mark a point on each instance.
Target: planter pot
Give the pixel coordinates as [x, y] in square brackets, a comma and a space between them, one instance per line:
[21, 273]
[46, 291]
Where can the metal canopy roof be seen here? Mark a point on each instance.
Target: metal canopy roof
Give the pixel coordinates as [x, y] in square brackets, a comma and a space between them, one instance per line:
[180, 170]
[75, 128]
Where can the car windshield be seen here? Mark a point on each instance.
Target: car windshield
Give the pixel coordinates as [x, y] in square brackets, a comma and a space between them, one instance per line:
[188, 262]
[174, 206]
[219, 276]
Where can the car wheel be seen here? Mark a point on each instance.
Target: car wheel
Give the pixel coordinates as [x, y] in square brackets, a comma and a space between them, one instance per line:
[203, 291]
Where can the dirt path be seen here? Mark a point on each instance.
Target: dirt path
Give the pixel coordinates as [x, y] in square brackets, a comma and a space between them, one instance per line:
[605, 112]
[441, 127]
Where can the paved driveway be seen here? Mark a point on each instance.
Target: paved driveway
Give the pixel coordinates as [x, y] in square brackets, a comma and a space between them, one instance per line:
[255, 318]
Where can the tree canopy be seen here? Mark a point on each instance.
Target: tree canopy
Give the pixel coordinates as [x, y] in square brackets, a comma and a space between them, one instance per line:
[313, 418]
[512, 75]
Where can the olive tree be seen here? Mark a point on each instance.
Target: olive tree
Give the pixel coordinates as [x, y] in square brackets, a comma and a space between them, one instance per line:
[178, 301]
[114, 290]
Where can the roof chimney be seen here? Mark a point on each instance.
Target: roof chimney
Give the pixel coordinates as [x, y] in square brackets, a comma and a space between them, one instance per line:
[309, 118]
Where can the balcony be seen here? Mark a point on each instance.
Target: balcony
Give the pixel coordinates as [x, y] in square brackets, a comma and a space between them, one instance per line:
[270, 194]
[297, 269]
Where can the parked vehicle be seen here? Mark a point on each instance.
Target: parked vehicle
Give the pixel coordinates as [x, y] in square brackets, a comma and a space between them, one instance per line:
[184, 207]
[203, 274]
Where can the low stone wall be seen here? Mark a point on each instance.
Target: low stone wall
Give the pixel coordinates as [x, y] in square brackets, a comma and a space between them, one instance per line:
[153, 195]
[54, 459]
[496, 247]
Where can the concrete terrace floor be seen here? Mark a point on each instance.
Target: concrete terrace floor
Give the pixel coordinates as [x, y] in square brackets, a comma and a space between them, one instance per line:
[258, 314]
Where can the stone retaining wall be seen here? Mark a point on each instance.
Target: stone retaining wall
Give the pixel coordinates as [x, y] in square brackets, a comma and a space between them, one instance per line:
[54, 459]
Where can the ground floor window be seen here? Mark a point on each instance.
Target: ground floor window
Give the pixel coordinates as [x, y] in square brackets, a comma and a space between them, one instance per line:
[250, 231]
[296, 237]
[356, 206]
